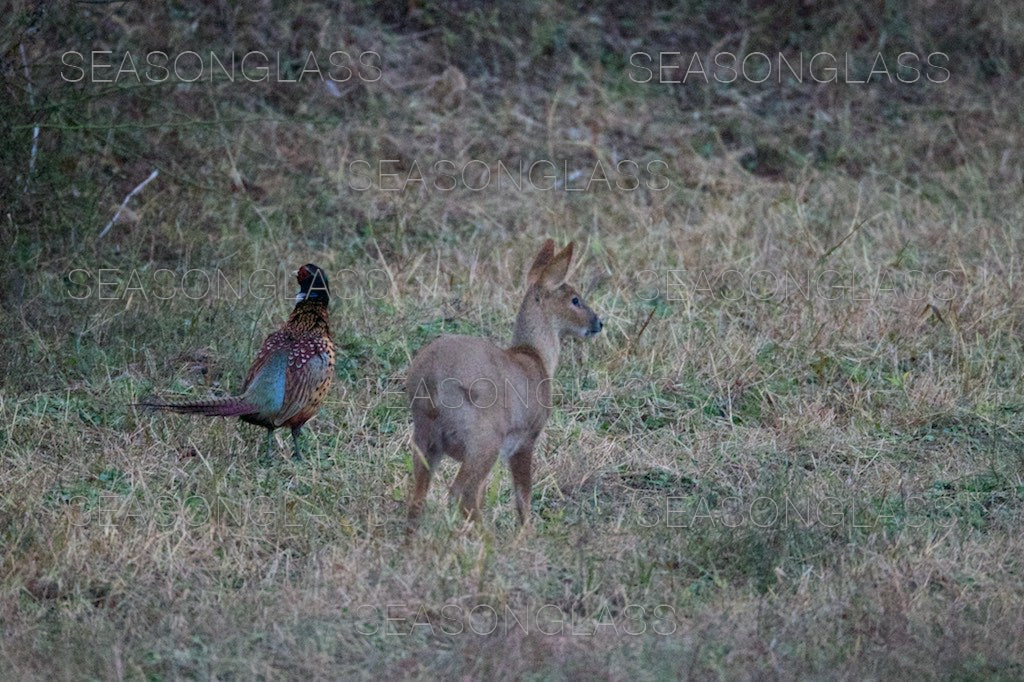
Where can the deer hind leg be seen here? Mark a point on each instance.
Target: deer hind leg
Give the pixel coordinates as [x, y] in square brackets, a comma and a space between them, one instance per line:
[468, 488]
[426, 454]
[520, 466]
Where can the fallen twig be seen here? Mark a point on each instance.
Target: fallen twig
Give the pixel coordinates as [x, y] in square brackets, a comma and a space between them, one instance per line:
[138, 188]
[853, 230]
[32, 105]
[643, 328]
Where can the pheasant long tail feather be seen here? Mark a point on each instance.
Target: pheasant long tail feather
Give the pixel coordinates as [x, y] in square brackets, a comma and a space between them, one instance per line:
[230, 406]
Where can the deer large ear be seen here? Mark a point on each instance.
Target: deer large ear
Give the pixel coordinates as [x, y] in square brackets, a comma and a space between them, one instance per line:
[547, 252]
[555, 271]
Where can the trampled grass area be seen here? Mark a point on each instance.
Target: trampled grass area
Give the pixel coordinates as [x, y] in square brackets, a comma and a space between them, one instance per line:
[795, 451]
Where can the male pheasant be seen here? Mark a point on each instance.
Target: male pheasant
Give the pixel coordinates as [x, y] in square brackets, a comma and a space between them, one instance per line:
[291, 374]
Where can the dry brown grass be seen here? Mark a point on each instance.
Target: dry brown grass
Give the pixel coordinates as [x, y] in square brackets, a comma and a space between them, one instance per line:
[885, 424]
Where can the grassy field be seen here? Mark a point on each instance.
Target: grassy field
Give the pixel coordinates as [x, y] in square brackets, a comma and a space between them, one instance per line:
[795, 452]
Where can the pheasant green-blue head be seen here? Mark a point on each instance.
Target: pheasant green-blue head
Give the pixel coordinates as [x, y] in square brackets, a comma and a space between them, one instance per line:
[313, 284]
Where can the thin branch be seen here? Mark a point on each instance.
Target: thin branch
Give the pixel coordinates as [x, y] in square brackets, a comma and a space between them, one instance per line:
[32, 106]
[635, 339]
[138, 188]
[823, 257]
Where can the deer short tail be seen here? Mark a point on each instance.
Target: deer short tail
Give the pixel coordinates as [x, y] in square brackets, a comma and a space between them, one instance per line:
[423, 397]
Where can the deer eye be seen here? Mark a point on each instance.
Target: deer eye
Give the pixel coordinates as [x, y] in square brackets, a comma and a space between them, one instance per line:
[576, 301]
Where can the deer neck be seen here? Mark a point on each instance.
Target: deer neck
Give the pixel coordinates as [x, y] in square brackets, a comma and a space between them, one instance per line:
[535, 331]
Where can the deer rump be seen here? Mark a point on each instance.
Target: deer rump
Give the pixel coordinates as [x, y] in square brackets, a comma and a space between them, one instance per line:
[476, 391]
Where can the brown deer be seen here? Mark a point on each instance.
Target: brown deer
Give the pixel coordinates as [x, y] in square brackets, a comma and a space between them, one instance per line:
[476, 402]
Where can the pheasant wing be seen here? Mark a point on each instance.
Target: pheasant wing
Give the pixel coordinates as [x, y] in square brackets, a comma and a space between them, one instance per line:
[307, 376]
[267, 379]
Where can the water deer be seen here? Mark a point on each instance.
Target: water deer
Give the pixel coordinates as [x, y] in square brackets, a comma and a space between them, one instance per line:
[477, 402]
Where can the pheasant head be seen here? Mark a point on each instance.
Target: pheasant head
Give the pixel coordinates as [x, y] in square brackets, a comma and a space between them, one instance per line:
[313, 284]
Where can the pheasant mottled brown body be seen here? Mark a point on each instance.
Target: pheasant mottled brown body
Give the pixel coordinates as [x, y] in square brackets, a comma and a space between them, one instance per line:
[291, 374]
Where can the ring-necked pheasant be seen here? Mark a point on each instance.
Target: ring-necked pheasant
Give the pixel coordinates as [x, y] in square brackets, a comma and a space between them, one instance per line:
[291, 374]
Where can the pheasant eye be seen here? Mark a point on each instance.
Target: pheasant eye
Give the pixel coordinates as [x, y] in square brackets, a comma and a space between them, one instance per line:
[576, 301]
